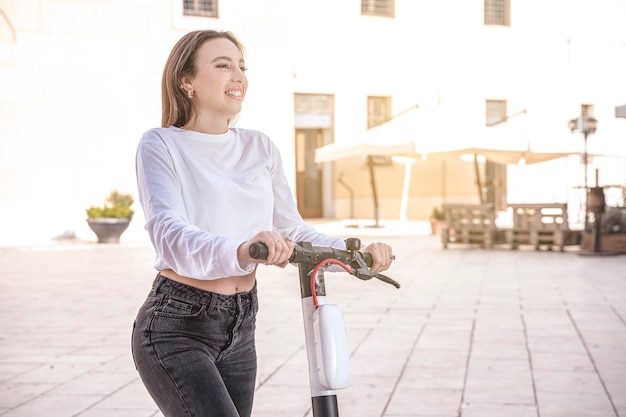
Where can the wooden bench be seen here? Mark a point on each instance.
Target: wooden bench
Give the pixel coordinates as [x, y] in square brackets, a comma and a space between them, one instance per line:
[541, 225]
[473, 224]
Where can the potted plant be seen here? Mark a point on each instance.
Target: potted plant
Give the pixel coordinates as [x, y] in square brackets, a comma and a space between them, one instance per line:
[109, 221]
[437, 220]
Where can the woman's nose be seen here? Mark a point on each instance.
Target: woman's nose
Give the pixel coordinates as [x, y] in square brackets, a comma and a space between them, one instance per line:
[239, 75]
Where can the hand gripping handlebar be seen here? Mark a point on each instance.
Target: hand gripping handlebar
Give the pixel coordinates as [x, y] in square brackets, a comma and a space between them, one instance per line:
[359, 262]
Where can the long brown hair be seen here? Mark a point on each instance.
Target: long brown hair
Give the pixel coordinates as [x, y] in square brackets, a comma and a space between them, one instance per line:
[177, 106]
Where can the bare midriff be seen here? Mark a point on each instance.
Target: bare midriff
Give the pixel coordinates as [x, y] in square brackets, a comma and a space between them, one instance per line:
[226, 286]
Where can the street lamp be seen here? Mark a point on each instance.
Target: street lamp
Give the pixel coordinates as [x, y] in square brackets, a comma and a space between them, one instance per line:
[587, 125]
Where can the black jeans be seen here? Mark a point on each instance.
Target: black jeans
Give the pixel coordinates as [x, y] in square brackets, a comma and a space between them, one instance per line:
[195, 350]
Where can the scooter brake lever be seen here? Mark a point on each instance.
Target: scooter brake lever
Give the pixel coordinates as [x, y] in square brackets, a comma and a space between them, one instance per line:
[388, 280]
[362, 271]
[359, 267]
[367, 275]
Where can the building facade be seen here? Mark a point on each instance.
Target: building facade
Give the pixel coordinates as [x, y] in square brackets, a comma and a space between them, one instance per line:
[80, 83]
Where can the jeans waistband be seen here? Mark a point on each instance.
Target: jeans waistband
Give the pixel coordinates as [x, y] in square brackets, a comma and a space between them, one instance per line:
[176, 289]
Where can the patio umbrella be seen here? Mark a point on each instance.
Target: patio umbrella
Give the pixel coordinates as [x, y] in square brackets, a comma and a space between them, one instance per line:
[428, 135]
[386, 139]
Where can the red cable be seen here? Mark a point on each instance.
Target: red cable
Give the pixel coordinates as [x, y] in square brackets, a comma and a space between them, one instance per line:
[314, 275]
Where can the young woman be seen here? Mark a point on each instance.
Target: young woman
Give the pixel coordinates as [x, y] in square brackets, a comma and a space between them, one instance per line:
[208, 192]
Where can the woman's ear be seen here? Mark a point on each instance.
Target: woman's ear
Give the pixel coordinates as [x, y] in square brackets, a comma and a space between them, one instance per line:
[185, 83]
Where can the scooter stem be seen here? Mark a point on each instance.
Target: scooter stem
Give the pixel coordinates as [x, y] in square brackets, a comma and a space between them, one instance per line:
[324, 401]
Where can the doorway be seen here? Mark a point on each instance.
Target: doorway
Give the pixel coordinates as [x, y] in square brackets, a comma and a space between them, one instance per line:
[308, 173]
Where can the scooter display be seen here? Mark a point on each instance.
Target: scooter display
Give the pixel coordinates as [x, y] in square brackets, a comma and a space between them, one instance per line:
[324, 327]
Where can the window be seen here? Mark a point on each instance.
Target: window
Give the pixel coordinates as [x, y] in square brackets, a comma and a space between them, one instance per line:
[204, 8]
[495, 174]
[378, 110]
[495, 112]
[498, 12]
[377, 8]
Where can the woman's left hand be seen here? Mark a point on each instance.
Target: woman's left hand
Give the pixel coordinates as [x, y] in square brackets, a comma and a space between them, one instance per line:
[382, 256]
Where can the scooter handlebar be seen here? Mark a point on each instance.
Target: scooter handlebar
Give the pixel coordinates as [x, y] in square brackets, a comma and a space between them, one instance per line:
[358, 261]
[315, 255]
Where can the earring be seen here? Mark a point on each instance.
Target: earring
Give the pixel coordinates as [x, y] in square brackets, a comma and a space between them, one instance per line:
[190, 93]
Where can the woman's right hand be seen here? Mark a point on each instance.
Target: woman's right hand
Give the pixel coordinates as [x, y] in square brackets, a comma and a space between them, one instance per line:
[279, 249]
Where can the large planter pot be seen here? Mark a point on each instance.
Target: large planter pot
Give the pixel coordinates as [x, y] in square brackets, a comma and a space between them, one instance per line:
[108, 230]
[436, 226]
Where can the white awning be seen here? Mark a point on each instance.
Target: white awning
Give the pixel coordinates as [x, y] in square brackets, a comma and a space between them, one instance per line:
[427, 135]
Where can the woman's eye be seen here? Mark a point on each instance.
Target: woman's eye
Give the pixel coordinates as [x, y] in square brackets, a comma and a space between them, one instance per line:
[244, 69]
[223, 66]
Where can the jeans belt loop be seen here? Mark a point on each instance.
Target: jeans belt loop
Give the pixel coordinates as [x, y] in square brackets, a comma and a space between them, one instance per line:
[160, 279]
[212, 301]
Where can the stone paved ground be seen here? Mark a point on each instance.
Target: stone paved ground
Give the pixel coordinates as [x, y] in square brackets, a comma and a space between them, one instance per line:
[471, 333]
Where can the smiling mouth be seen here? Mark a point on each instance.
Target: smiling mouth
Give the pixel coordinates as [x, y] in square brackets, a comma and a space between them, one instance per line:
[234, 93]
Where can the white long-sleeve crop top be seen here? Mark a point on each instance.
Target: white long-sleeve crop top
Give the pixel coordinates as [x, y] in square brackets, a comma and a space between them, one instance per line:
[204, 195]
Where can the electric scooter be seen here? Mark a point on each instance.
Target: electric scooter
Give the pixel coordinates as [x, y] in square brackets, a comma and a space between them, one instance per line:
[324, 327]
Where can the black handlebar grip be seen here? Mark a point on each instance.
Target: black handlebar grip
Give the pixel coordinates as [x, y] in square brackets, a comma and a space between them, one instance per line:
[258, 250]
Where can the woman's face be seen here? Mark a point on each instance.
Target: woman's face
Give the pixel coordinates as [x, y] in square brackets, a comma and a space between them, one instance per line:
[220, 82]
